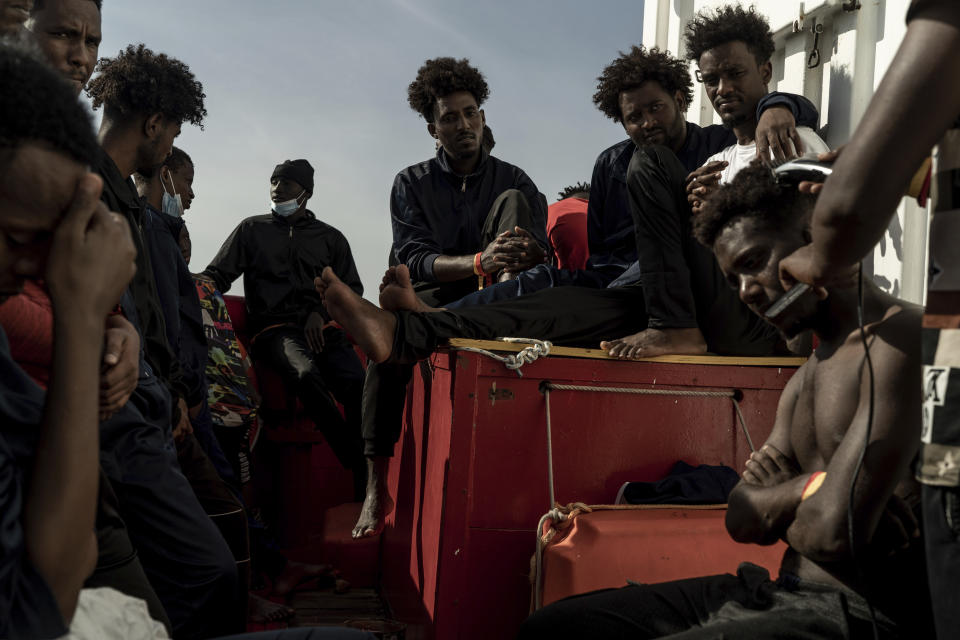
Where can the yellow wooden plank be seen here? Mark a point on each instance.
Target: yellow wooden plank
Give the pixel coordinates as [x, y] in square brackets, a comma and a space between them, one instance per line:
[598, 354]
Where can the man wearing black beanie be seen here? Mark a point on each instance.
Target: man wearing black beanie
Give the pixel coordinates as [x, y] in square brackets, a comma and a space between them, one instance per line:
[279, 254]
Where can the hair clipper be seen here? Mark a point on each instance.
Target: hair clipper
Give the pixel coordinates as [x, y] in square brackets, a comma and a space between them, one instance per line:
[793, 172]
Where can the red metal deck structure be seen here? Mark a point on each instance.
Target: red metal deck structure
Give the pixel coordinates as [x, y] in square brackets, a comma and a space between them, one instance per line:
[470, 470]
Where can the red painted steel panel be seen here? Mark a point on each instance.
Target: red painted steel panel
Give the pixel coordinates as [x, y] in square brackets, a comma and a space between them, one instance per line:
[470, 472]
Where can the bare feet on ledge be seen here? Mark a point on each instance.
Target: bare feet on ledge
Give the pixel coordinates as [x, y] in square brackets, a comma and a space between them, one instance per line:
[378, 504]
[397, 294]
[370, 326]
[650, 343]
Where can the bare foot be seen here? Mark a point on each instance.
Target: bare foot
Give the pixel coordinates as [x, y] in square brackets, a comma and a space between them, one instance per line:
[370, 326]
[657, 342]
[397, 294]
[263, 611]
[299, 574]
[378, 504]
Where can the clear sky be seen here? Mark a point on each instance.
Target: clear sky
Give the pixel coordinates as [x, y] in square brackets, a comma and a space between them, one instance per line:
[326, 80]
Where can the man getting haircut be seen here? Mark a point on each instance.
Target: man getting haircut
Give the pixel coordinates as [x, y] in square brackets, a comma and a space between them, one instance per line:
[459, 219]
[851, 216]
[145, 98]
[683, 288]
[797, 486]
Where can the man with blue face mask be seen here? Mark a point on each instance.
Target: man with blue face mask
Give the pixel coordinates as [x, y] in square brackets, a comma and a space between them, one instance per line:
[279, 254]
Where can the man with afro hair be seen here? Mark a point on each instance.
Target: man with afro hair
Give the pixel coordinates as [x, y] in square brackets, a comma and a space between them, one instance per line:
[799, 485]
[684, 291]
[145, 98]
[461, 219]
[647, 92]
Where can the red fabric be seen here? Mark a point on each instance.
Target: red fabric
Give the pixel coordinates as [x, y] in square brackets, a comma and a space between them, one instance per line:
[567, 232]
[27, 319]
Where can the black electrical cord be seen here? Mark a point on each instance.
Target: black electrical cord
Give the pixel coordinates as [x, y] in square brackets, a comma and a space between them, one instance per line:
[863, 453]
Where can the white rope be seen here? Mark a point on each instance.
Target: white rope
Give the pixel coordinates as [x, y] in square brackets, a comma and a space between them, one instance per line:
[555, 513]
[514, 361]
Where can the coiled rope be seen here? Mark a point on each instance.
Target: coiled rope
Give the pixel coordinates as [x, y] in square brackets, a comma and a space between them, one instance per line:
[514, 361]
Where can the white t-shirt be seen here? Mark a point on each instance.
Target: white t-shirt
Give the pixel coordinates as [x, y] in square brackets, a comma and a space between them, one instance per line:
[739, 156]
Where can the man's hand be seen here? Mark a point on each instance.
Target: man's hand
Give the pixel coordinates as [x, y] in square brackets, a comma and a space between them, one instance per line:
[777, 132]
[704, 181]
[767, 467]
[531, 253]
[183, 427]
[897, 528]
[120, 368]
[91, 255]
[313, 331]
[816, 187]
[513, 251]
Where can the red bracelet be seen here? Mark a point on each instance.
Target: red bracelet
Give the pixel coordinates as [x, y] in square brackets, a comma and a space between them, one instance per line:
[478, 264]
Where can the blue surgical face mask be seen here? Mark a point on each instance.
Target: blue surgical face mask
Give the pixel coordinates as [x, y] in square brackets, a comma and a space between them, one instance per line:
[287, 207]
[172, 205]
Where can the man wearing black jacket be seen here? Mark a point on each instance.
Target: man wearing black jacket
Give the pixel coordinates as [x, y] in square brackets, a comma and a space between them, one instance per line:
[461, 220]
[279, 254]
[145, 98]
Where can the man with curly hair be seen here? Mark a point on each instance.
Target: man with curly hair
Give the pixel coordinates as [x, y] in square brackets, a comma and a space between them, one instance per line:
[145, 98]
[460, 219]
[797, 487]
[683, 289]
[647, 92]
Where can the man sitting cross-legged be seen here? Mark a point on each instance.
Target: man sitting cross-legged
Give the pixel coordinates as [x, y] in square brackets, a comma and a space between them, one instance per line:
[797, 487]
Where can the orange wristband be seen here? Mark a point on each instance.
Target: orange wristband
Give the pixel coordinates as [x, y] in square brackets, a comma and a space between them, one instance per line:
[478, 264]
[813, 484]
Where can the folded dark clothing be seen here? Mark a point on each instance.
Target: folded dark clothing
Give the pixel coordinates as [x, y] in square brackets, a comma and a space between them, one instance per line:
[685, 484]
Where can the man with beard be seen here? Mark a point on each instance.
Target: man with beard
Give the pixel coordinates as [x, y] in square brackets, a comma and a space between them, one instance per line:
[683, 289]
[461, 220]
[145, 98]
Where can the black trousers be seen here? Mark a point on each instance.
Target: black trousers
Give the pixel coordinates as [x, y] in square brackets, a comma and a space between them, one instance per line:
[118, 565]
[747, 605]
[385, 388]
[318, 379]
[184, 555]
[682, 283]
[941, 526]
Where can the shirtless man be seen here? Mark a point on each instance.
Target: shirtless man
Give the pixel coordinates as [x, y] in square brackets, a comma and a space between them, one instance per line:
[821, 426]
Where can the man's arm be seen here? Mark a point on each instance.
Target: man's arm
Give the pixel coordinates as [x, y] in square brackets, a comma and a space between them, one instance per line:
[91, 262]
[762, 505]
[819, 530]
[230, 261]
[875, 168]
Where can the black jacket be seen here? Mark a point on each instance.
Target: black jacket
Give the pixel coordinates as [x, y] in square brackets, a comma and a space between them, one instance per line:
[437, 212]
[610, 234]
[279, 262]
[178, 300]
[120, 195]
